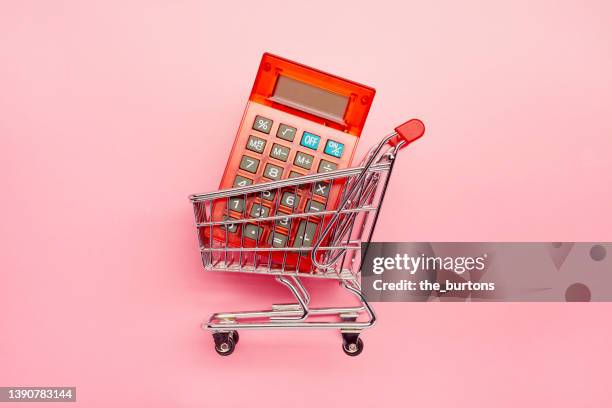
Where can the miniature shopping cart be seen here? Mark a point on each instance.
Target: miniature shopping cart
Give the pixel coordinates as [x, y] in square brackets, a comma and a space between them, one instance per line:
[339, 235]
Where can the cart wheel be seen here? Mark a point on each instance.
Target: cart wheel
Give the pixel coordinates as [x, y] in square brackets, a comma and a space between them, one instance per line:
[235, 336]
[224, 343]
[353, 348]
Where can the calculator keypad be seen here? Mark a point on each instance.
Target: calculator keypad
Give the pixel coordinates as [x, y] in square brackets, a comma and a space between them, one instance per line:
[274, 146]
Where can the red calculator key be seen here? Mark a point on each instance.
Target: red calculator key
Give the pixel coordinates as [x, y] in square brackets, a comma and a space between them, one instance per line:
[273, 172]
[303, 160]
[325, 166]
[249, 164]
[279, 152]
[262, 124]
[241, 181]
[278, 239]
[286, 132]
[289, 200]
[256, 144]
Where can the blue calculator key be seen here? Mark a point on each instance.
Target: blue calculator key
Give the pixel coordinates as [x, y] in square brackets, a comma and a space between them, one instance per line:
[334, 148]
[310, 140]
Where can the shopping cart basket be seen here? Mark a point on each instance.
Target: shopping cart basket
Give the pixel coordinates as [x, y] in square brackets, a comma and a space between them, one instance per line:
[327, 243]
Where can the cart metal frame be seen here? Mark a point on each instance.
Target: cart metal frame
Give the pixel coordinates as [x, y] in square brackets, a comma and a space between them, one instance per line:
[337, 253]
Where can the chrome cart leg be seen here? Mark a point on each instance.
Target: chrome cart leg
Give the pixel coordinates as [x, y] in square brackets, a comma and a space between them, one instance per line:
[352, 344]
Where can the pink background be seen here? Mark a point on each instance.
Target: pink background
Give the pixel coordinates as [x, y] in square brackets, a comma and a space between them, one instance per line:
[112, 112]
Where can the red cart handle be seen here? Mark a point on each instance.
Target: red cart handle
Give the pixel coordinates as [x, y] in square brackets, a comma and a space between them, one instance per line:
[408, 132]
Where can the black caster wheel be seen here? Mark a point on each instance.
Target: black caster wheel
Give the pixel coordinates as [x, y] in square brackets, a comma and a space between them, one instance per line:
[352, 345]
[224, 343]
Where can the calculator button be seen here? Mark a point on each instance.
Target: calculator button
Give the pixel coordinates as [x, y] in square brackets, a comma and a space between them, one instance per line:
[283, 222]
[279, 152]
[334, 148]
[305, 234]
[259, 211]
[256, 144]
[315, 206]
[295, 174]
[303, 160]
[267, 195]
[277, 240]
[262, 124]
[230, 227]
[249, 164]
[321, 189]
[310, 140]
[289, 200]
[325, 166]
[252, 231]
[242, 181]
[286, 132]
[273, 172]
[236, 204]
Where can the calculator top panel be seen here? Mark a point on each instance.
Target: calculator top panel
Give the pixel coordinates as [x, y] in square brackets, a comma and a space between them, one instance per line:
[312, 94]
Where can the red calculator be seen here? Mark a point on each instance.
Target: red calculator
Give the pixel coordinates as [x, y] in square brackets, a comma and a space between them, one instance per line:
[298, 121]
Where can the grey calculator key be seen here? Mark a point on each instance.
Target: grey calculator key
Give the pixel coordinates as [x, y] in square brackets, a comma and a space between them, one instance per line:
[325, 166]
[279, 152]
[252, 231]
[321, 189]
[293, 174]
[259, 211]
[283, 222]
[273, 172]
[256, 144]
[242, 181]
[315, 206]
[262, 124]
[277, 240]
[305, 234]
[268, 195]
[249, 164]
[236, 204]
[230, 227]
[303, 160]
[289, 200]
[286, 132]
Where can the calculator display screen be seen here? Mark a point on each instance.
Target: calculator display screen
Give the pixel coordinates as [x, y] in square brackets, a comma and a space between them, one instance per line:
[310, 99]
